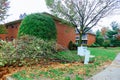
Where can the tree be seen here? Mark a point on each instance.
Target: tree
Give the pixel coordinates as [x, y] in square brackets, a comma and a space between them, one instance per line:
[114, 25]
[113, 34]
[4, 5]
[83, 14]
[104, 30]
[99, 38]
[39, 25]
[3, 29]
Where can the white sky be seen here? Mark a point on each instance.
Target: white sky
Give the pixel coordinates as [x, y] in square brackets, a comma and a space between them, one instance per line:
[105, 22]
[18, 7]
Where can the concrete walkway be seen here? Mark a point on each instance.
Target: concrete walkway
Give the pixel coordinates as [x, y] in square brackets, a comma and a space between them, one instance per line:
[110, 73]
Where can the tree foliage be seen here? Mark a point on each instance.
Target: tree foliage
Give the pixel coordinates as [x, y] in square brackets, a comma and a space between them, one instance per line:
[83, 14]
[99, 38]
[104, 31]
[2, 29]
[39, 25]
[49, 2]
[114, 25]
[4, 5]
[72, 46]
[112, 34]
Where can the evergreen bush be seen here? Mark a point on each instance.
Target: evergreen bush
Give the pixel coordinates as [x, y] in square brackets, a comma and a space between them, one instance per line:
[72, 46]
[106, 43]
[39, 25]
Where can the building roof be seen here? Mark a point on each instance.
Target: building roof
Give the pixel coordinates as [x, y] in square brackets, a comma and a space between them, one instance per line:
[59, 19]
[91, 33]
[13, 22]
[65, 22]
[54, 17]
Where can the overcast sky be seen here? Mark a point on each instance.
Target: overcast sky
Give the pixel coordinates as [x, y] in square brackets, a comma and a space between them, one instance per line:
[18, 7]
[105, 22]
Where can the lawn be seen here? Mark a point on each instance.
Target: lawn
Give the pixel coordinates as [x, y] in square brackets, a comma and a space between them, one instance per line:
[70, 67]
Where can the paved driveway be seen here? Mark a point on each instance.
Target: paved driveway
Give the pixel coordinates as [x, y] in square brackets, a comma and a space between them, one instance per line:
[110, 73]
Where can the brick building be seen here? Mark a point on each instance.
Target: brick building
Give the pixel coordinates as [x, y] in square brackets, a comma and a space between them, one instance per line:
[65, 33]
[12, 30]
[88, 38]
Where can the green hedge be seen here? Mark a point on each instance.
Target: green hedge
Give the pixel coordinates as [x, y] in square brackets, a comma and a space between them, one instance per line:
[39, 25]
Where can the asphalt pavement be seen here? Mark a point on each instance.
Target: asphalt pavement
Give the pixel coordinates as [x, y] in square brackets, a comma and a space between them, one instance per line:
[112, 72]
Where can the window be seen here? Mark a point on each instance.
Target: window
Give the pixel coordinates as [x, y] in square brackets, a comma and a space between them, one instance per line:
[12, 26]
[84, 37]
[84, 41]
[76, 31]
[77, 37]
[77, 41]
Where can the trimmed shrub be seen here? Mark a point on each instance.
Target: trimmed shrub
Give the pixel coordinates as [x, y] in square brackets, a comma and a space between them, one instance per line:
[39, 25]
[95, 45]
[106, 43]
[67, 56]
[99, 41]
[115, 43]
[72, 46]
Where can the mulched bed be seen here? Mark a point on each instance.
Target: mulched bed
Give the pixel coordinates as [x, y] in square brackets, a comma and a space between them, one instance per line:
[3, 71]
[6, 71]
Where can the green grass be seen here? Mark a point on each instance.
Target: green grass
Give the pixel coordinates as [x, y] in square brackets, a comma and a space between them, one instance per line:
[103, 54]
[22, 76]
[67, 56]
[73, 72]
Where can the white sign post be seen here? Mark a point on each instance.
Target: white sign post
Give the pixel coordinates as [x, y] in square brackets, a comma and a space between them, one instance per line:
[82, 51]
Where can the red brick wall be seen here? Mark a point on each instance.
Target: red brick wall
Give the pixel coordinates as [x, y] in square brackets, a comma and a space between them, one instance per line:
[91, 39]
[12, 31]
[3, 36]
[65, 34]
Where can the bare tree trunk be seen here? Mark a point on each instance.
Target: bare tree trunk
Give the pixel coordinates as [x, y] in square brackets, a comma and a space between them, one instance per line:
[80, 39]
